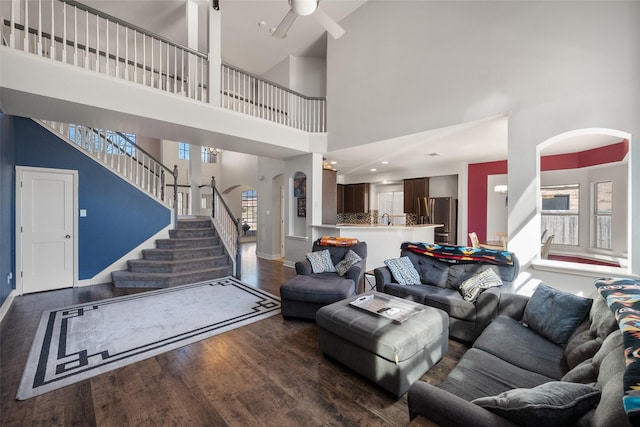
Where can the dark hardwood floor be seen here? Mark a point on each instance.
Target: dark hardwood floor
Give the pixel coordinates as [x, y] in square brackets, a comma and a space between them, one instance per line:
[268, 373]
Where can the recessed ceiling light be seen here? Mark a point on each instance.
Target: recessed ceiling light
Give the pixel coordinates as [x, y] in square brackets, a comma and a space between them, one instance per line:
[272, 30]
[262, 23]
[333, 162]
[384, 162]
[374, 169]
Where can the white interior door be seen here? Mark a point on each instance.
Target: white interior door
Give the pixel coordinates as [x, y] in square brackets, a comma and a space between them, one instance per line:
[46, 228]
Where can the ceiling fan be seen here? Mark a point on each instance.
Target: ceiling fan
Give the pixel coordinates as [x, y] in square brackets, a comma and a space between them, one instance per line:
[305, 8]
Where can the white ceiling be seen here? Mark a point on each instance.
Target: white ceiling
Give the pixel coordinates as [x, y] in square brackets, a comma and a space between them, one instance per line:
[249, 46]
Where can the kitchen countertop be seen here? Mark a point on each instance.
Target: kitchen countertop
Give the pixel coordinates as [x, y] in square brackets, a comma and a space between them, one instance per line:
[382, 226]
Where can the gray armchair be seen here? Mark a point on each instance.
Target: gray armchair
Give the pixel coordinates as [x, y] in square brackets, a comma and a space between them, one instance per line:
[303, 295]
[355, 273]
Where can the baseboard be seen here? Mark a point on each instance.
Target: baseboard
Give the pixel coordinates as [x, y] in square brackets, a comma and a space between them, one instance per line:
[268, 256]
[4, 309]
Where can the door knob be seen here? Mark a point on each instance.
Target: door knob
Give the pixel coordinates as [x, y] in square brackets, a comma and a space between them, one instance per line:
[67, 236]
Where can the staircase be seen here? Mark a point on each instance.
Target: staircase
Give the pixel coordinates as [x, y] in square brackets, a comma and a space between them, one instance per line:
[193, 253]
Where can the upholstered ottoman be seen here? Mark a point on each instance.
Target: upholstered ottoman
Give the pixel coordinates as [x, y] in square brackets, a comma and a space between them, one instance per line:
[302, 296]
[392, 355]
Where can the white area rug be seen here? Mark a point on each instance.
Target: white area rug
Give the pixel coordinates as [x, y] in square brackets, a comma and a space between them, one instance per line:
[79, 342]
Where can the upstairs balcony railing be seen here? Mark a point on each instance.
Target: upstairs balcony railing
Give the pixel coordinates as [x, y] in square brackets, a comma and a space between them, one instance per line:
[75, 34]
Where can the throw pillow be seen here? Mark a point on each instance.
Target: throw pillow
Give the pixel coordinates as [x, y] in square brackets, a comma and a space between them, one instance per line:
[555, 314]
[350, 258]
[556, 403]
[321, 262]
[473, 287]
[403, 271]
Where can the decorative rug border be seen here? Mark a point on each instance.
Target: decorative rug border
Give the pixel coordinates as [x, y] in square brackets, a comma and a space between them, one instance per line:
[38, 377]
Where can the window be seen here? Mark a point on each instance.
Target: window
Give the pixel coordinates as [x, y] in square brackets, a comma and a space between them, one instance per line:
[603, 207]
[392, 203]
[108, 141]
[560, 213]
[250, 209]
[183, 150]
[209, 154]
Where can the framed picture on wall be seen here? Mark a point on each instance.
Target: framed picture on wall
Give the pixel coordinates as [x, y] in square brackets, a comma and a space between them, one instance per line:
[302, 207]
[300, 187]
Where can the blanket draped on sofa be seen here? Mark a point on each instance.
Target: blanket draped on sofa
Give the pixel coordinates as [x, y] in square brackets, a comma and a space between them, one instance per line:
[623, 298]
[460, 254]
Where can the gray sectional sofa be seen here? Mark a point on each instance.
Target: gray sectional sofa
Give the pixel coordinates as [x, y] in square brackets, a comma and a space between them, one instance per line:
[582, 378]
[439, 285]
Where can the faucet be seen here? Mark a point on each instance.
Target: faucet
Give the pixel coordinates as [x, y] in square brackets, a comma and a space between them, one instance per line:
[388, 218]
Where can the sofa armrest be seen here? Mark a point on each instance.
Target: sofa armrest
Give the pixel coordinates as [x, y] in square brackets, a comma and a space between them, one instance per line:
[303, 268]
[487, 308]
[512, 305]
[449, 410]
[383, 276]
[356, 273]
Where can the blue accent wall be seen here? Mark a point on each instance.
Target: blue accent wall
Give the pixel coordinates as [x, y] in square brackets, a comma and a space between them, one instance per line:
[119, 216]
[7, 222]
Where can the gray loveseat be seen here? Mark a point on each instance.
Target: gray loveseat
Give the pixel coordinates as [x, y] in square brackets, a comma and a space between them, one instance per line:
[509, 355]
[440, 281]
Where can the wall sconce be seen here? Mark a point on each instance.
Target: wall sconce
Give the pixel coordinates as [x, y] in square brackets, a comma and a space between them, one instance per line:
[501, 189]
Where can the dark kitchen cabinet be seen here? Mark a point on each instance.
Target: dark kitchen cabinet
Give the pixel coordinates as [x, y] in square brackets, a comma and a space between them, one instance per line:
[414, 188]
[356, 198]
[340, 197]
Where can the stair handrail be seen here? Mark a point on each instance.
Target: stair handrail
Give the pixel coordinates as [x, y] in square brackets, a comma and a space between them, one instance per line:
[227, 227]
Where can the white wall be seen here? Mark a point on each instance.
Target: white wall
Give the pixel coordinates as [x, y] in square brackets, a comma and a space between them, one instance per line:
[270, 183]
[553, 66]
[443, 186]
[496, 206]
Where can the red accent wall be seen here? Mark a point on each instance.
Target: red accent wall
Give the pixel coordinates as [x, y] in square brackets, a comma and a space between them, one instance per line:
[477, 195]
[582, 159]
[479, 176]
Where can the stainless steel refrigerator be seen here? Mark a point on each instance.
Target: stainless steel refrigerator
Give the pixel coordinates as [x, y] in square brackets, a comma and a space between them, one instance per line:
[443, 210]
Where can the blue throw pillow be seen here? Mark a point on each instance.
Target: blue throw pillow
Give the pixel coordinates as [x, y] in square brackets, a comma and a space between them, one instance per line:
[555, 314]
[403, 270]
[321, 262]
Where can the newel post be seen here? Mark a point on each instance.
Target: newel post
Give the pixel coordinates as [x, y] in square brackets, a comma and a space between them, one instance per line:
[213, 197]
[175, 195]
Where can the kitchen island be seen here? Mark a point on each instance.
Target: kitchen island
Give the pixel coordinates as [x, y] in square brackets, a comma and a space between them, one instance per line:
[383, 241]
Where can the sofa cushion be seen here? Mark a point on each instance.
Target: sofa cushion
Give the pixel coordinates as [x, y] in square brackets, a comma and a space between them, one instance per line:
[471, 288]
[523, 347]
[347, 262]
[588, 338]
[450, 301]
[321, 262]
[431, 271]
[403, 271]
[551, 404]
[555, 314]
[481, 374]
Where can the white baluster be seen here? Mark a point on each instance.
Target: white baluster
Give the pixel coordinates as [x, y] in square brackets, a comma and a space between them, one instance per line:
[64, 32]
[12, 22]
[86, 39]
[52, 51]
[126, 53]
[175, 69]
[98, 43]
[75, 35]
[39, 44]
[153, 85]
[135, 55]
[144, 60]
[117, 49]
[106, 55]
[26, 26]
